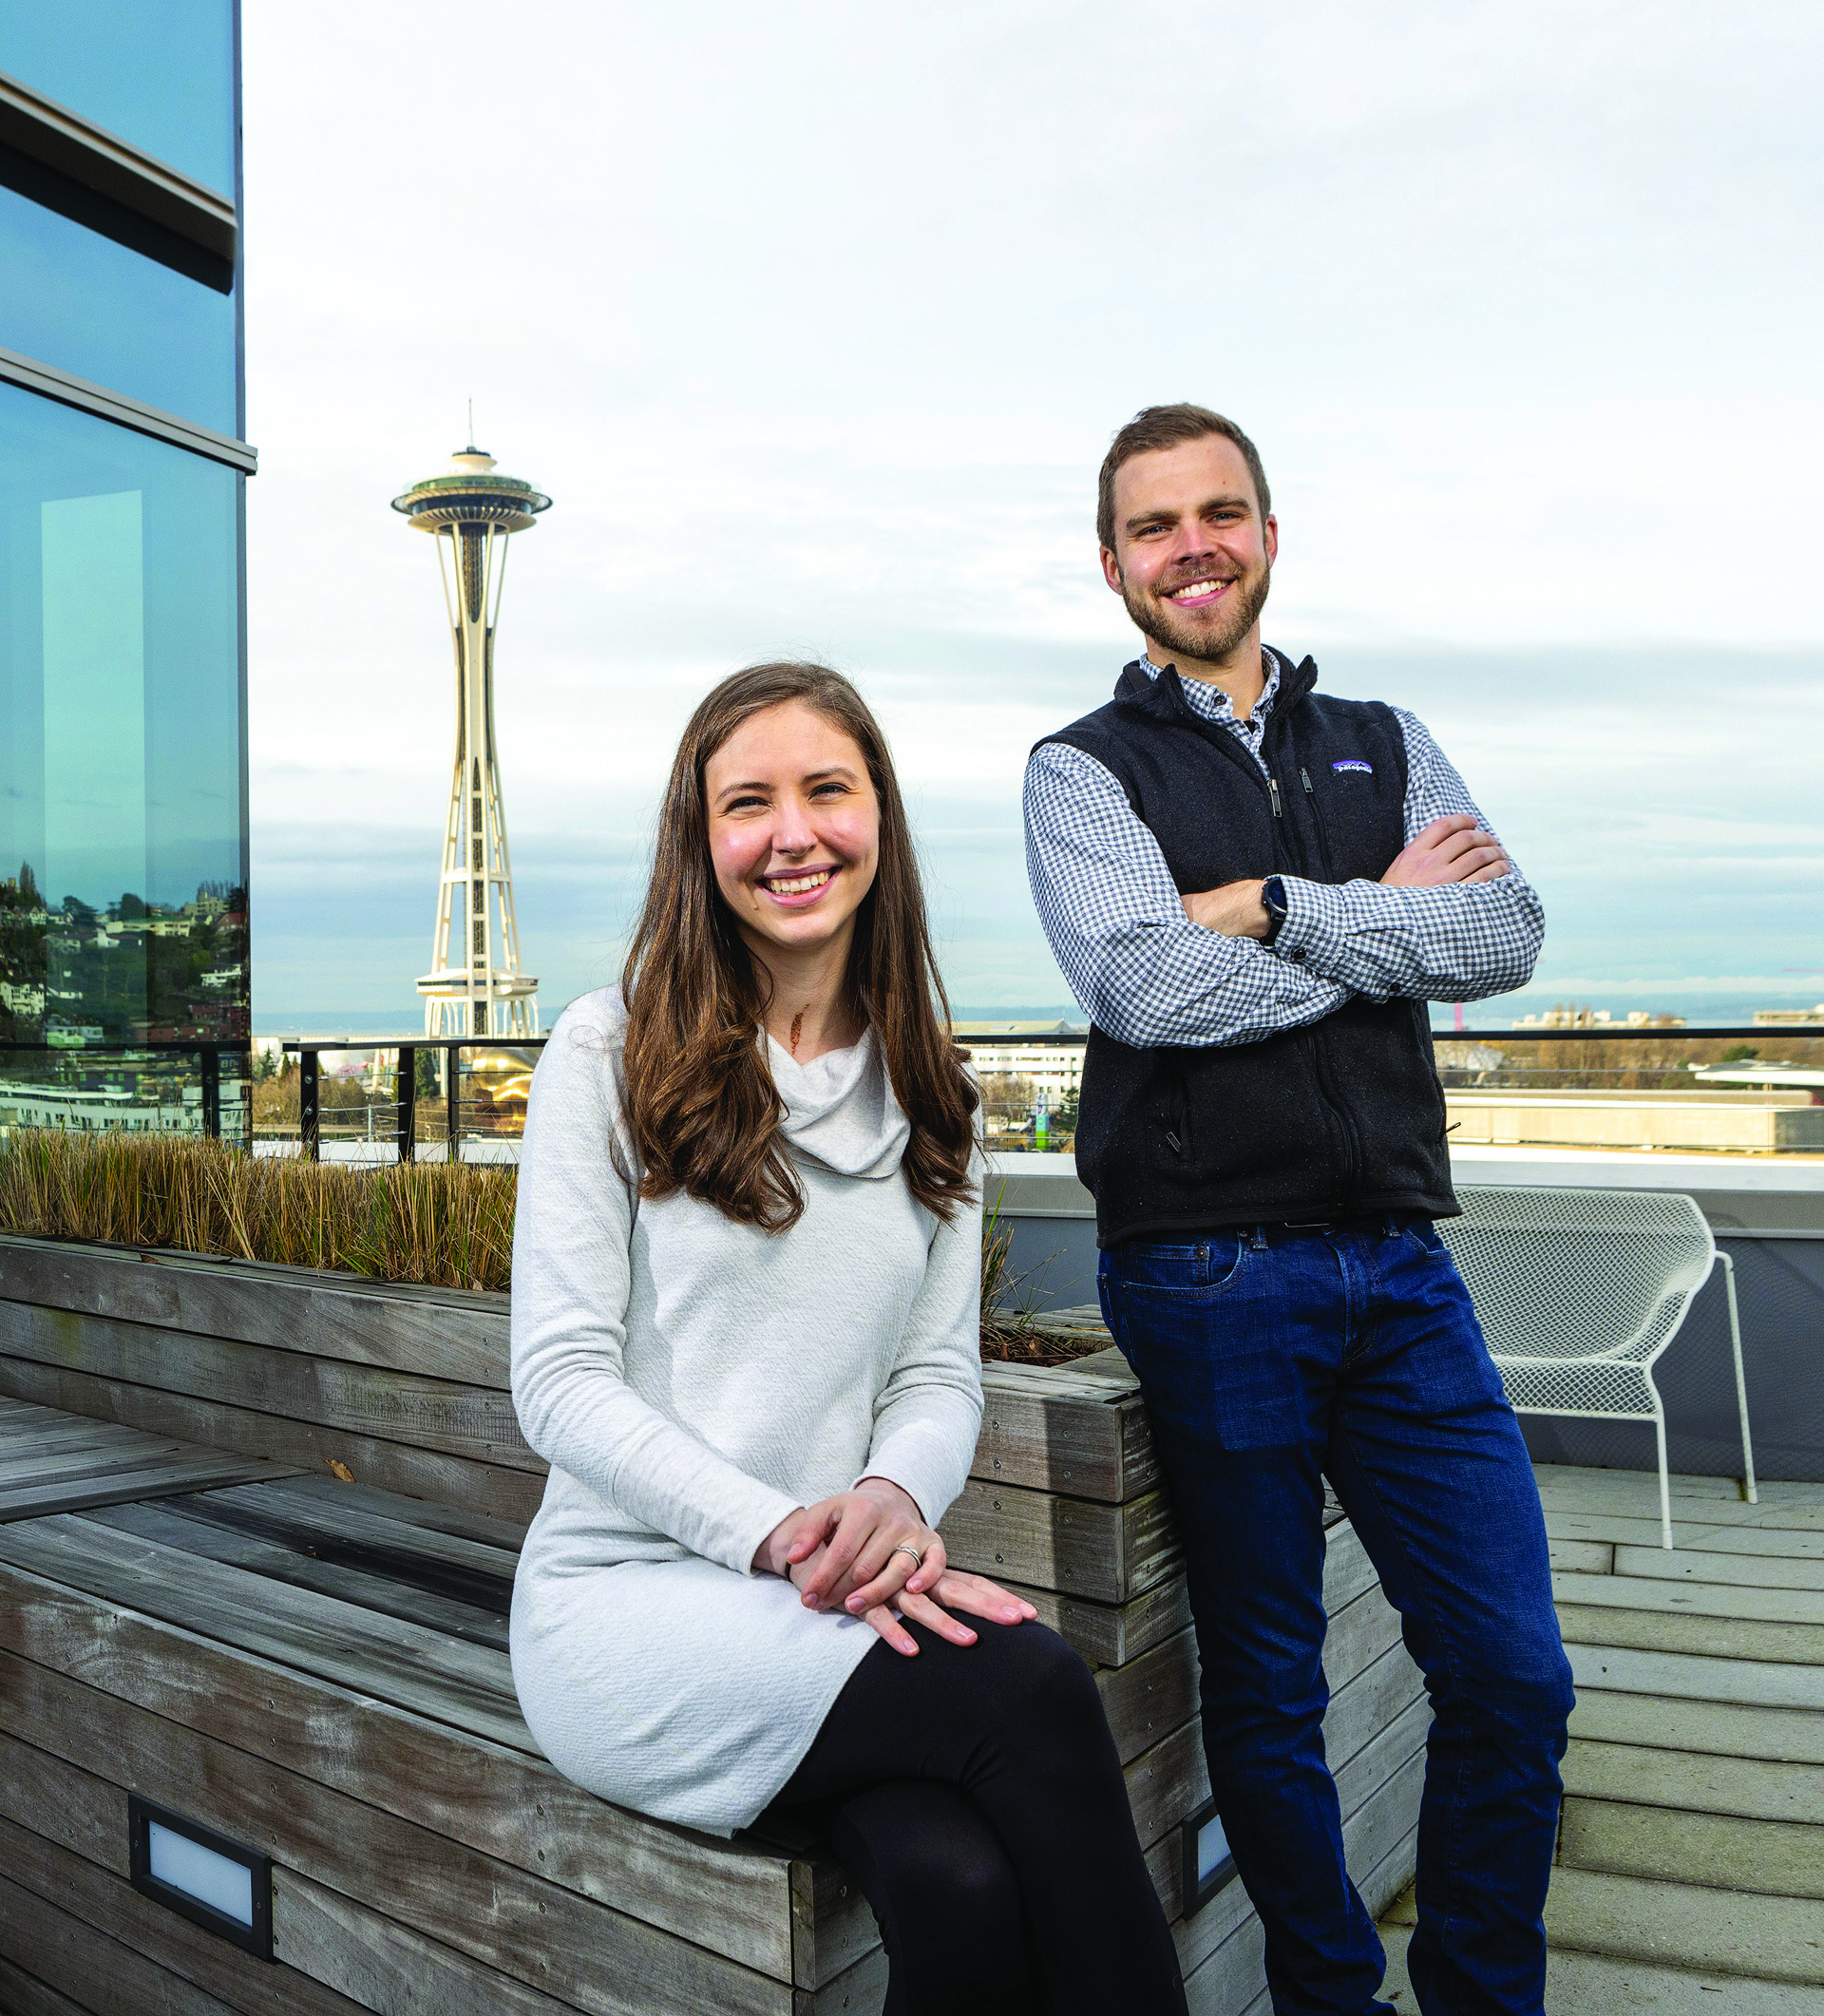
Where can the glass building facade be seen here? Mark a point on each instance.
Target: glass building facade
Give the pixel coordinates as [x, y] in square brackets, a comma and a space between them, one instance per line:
[122, 655]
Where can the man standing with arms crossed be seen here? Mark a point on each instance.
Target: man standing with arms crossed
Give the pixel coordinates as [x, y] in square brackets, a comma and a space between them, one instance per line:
[1254, 889]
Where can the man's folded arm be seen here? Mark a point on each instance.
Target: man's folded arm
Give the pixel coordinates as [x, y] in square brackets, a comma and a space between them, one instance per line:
[1146, 974]
[1460, 942]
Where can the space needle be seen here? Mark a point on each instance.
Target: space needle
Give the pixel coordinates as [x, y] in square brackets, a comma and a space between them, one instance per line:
[475, 987]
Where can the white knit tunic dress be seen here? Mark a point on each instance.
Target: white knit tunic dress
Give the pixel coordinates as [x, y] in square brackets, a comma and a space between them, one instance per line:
[691, 1382]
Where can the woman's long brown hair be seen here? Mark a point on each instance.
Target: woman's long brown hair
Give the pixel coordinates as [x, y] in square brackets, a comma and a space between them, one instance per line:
[701, 1103]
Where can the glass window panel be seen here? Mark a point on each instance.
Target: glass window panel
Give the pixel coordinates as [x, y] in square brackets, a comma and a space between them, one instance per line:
[123, 820]
[92, 307]
[159, 73]
[213, 1879]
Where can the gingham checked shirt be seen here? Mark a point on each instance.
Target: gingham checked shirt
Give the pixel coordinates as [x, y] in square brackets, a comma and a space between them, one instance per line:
[1147, 976]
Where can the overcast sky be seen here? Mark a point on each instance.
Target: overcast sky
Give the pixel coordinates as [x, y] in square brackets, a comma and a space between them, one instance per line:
[815, 323]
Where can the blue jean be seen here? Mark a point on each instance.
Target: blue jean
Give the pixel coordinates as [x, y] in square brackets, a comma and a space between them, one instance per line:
[1269, 1359]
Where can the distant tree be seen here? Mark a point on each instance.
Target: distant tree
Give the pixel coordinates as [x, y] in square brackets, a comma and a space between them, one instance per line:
[1739, 1054]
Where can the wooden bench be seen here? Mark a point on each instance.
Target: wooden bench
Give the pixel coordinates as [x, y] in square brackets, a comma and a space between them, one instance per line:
[316, 1668]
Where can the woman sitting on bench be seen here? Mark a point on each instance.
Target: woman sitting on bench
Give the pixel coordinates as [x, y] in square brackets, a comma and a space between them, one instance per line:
[746, 1321]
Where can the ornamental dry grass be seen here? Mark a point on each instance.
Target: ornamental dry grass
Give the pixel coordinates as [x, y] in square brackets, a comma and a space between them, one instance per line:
[441, 1225]
[431, 1223]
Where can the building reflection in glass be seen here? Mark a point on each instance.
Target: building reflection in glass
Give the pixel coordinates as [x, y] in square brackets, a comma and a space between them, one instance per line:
[122, 851]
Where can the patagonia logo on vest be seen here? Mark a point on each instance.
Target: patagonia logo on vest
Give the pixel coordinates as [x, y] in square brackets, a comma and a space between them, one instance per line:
[1354, 763]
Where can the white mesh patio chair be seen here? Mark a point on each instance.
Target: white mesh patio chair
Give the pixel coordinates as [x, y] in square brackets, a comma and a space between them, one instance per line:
[1579, 1291]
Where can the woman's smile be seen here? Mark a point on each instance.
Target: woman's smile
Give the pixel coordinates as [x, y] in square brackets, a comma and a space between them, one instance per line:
[799, 888]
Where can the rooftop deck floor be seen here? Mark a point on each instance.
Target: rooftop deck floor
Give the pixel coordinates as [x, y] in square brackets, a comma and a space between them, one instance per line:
[1690, 1868]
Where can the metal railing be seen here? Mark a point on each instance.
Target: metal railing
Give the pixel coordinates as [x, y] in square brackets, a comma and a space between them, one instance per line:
[1647, 1063]
[449, 1049]
[1589, 1084]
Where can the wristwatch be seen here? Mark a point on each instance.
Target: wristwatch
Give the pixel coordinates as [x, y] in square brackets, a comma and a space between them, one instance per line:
[1273, 902]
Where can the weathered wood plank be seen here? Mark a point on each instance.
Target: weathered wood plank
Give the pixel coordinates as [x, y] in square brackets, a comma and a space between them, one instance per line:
[468, 1685]
[75, 1809]
[473, 1421]
[1150, 1696]
[425, 1516]
[1347, 1570]
[23, 1994]
[1359, 1635]
[21, 1469]
[1365, 1705]
[49, 1432]
[1050, 1428]
[393, 1969]
[1110, 1634]
[1385, 1819]
[598, 1958]
[1388, 1753]
[502, 1493]
[197, 1472]
[328, 1511]
[451, 1334]
[860, 1991]
[1109, 1552]
[1380, 1885]
[35, 1867]
[180, 1525]
[110, 1979]
[1224, 1981]
[1168, 1781]
[833, 1924]
[511, 1805]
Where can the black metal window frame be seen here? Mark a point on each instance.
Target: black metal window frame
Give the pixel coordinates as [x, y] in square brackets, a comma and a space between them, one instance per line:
[1600, 1032]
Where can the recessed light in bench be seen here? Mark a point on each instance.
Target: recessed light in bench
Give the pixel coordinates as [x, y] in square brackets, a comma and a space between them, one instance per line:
[203, 1876]
[1207, 1864]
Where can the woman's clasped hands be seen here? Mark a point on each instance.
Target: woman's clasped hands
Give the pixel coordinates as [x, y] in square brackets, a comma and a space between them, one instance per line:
[855, 1553]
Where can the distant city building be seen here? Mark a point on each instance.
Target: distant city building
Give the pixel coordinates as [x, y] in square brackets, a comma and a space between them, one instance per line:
[1790, 1017]
[1749, 1072]
[1599, 1019]
[80, 1109]
[1051, 1074]
[124, 831]
[475, 986]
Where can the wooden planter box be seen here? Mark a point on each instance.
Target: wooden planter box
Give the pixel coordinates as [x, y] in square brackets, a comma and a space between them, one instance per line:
[319, 1673]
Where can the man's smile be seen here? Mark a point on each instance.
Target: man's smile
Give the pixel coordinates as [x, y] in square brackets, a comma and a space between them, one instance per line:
[1199, 594]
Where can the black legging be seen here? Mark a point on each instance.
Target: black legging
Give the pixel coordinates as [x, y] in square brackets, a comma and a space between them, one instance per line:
[975, 1795]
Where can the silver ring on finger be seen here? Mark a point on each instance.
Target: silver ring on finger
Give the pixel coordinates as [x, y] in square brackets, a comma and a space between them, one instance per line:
[906, 1547]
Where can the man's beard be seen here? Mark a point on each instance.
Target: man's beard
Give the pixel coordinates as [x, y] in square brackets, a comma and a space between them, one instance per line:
[1157, 618]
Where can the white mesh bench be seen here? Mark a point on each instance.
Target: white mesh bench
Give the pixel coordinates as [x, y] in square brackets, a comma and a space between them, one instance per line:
[1580, 1291]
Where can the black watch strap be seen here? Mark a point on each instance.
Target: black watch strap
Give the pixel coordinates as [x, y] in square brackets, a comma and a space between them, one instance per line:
[1273, 902]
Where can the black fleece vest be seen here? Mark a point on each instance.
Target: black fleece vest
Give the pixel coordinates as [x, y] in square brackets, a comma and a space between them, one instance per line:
[1344, 1117]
